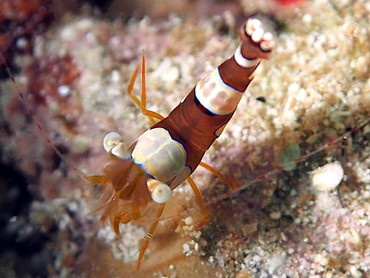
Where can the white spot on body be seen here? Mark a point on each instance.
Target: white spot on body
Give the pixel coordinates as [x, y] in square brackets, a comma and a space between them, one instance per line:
[161, 193]
[267, 41]
[252, 25]
[257, 35]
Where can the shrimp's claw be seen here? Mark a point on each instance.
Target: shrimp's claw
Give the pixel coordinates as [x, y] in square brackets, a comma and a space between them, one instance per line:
[256, 42]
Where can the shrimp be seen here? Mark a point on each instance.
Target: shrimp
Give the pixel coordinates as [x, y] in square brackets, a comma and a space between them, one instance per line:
[168, 153]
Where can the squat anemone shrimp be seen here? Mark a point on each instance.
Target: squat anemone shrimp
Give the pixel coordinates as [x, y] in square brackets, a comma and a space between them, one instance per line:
[166, 155]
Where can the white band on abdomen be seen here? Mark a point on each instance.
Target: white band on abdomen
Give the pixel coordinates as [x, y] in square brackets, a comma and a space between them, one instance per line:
[216, 96]
[244, 62]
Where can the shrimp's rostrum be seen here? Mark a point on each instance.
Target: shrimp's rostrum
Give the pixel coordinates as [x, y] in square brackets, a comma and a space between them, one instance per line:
[168, 153]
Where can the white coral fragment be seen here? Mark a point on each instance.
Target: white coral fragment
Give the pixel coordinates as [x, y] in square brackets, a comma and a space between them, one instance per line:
[328, 177]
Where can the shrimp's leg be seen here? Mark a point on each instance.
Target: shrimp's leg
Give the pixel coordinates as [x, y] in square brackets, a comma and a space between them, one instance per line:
[98, 179]
[232, 184]
[200, 201]
[142, 104]
[149, 235]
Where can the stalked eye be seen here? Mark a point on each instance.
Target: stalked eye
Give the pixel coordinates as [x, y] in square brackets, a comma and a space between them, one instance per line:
[111, 140]
[161, 192]
[120, 151]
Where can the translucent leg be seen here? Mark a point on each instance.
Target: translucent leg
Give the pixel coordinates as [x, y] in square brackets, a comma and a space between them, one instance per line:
[142, 104]
[231, 184]
[200, 201]
[101, 179]
[149, 235]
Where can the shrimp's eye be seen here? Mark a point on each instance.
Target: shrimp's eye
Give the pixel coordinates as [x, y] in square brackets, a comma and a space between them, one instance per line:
[161, 192]
[111, 140]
